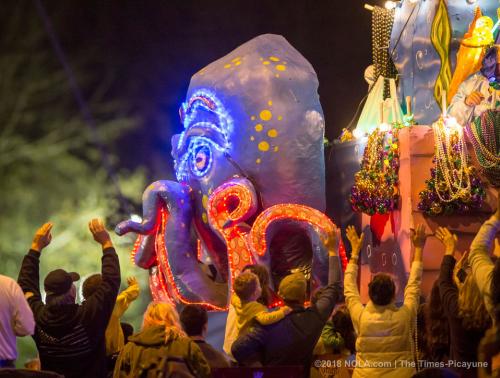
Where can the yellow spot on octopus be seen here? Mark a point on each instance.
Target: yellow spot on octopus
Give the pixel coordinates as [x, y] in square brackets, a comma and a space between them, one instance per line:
[273, 133]
[252, 118]
[280, 118]
[236, 59]
[204, 201]
[277, 75]
[281, 67]
[276, 149]
[266, 62]
[274, 59]
[258, 127]
[258, 161]
[237, 63]
[204, 217]
[227, 66]
[270, 103]
[263, 146]
[266, 115]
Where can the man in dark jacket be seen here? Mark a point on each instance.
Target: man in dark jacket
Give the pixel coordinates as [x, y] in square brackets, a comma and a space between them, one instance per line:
[70, 337]
[291, 341]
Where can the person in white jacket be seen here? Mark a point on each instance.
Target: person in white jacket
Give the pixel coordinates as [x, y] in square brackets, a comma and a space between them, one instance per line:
[16, 319]
[384, 344]
[479, 256]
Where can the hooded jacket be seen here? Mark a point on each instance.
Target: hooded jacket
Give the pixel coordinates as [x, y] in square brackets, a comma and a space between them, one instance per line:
[153, 348]
[70, 338]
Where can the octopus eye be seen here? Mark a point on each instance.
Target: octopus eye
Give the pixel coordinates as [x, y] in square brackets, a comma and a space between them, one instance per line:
[201, 160]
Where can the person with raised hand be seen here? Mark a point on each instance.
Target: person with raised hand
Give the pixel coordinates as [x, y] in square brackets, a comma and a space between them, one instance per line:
[70, 337]
[462, 304]
[384, 343]
[479, 257]
[291, 341]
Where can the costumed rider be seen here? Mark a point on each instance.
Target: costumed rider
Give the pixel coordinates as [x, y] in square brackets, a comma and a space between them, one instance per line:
[475, 94]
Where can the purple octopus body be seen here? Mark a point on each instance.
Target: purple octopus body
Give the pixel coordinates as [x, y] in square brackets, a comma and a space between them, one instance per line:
[252, 117]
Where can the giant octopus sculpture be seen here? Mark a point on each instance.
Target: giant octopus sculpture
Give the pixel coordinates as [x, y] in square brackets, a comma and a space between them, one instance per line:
[251, 185]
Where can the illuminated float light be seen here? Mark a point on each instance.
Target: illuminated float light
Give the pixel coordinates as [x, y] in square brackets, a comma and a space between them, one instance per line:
[390, 5]
[225, 222]
[315, 218]
[286, 211]
[384, 127]
[358, 134]
[136, 218]
[166, 272]
[137, 244]
[205, 100]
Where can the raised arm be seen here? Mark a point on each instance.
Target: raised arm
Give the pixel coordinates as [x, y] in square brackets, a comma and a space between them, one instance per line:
[29, 275]
[351, 291]
[333, 292]
[99, 306]
[412, 290]
[448, 292]
[114, 334]
[479, 259]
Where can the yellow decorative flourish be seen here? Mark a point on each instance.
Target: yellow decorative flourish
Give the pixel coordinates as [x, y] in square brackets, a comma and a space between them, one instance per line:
[440, 38]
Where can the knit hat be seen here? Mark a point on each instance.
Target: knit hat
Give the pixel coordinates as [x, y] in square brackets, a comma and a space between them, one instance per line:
[293, 287]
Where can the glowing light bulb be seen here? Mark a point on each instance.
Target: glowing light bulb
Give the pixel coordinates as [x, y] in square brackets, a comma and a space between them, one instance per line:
[390, 5]
[135, 218]
[357, 133]
[384, 127]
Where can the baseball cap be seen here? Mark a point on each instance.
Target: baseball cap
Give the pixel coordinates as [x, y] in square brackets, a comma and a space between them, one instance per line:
[293, 287]
[59, 281]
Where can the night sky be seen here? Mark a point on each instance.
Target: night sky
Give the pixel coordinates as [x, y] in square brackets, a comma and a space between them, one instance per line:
[154, 47]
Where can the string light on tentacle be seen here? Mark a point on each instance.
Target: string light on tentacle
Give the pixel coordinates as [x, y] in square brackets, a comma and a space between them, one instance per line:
[165, 271]
[137, 244]
[296, 212]
[230, 205]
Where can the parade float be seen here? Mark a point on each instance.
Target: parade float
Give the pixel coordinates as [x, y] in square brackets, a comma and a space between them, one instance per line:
[444, 164]
[250, 163]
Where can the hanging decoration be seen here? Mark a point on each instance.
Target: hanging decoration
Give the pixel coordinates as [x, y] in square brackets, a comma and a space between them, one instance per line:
[484, 133]
[382, 20]
[441, 38]
[376, 185]
[454, 186]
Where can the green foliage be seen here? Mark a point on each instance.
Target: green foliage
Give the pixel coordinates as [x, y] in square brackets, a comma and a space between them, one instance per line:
[50, 168]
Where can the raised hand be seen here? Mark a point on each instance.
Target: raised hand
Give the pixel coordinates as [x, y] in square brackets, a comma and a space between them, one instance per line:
[355, 240]
[131, 281]
[448, 239]
[99, 232]
[42, 237]
[418, 236]
[331, 242]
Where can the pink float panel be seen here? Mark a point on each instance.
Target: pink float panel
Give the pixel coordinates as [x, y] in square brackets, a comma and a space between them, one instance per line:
[416, 153]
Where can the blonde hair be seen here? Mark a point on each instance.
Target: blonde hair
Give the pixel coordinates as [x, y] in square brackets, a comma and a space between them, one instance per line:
[245, 285]
[162, 313]
[471, 306]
